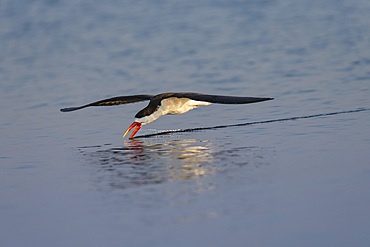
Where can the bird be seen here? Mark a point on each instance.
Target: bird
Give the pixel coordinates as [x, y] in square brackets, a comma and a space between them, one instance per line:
[166, 103]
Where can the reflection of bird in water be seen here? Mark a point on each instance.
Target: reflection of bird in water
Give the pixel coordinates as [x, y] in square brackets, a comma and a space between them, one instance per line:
[138, 163]
[167, 103]
[183, 159]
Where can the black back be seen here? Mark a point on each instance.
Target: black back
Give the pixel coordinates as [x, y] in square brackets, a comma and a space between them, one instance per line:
[155, 102]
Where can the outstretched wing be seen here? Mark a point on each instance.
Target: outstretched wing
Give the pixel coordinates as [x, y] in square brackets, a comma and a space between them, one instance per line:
[112, 101]
[220, 99]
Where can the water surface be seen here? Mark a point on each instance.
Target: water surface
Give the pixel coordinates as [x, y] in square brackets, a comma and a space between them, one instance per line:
[289, 172]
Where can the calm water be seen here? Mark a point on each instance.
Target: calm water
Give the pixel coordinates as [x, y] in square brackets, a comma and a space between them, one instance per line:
[69, 179]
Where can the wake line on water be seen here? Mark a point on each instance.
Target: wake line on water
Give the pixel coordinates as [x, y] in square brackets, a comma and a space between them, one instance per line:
[252, 123]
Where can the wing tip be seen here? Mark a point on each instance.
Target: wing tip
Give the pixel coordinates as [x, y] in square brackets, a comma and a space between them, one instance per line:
[69, 109]
[262, 99]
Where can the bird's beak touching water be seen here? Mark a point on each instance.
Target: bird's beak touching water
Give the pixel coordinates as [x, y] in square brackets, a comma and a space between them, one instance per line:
[134, 124]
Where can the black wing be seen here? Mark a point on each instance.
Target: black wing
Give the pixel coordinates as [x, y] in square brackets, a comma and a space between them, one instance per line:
[220, 99]
[113, 101]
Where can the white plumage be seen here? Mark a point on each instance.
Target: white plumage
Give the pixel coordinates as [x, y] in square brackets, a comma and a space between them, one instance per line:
[171, 106]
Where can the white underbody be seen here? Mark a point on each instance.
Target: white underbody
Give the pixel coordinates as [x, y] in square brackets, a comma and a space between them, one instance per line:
[172, 106]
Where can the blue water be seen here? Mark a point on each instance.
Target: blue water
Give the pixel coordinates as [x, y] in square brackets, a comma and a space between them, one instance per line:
[289, 172]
